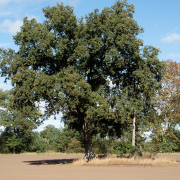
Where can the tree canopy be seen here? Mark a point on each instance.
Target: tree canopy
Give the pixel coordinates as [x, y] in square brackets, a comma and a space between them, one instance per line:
[94, 70]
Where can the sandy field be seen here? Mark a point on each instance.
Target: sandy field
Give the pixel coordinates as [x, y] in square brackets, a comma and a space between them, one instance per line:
[57, 167]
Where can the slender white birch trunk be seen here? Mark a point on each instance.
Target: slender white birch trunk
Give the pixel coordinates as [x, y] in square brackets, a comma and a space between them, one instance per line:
[134, 127]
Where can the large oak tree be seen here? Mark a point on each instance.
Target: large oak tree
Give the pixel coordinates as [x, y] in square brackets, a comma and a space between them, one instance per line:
[93, 70]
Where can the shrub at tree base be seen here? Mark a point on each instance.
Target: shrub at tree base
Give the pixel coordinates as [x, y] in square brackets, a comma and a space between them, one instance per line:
[103, 146]
[75, 146]
[122, 147]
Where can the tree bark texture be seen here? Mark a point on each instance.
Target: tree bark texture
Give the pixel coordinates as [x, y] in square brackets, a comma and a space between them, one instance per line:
[14, 151]
[89, 152]
[134, 130]
[14, 148]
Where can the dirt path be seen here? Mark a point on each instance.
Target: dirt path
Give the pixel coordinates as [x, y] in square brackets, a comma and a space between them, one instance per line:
[55, 167]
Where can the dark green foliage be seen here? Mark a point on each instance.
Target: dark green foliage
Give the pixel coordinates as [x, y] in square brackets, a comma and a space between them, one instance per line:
[18, 126]
[50, 133]
[122, 147]
[66, 136]
[103, 146]
[168, 147]
[75, 146]
[39, 144]
[3, 147]
[60, 140]
[177, 135]
[16, 143]
[168, 142]
[68, 63]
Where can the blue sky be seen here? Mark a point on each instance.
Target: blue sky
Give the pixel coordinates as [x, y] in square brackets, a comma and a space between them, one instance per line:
[159, 18]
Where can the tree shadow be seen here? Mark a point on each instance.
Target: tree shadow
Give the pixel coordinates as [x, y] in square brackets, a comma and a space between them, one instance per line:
[50, 161]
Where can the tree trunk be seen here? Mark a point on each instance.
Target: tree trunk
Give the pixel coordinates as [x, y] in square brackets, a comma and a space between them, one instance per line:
[165, 125]
[140, 147]
[89, 152]
[134, 130]
[14, 151]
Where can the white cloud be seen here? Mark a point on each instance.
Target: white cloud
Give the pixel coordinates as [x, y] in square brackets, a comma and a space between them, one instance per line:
[10, 27]
[171, 38]
[174, 55]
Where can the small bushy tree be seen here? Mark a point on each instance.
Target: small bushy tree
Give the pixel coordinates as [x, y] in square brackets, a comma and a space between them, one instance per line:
[39, 144]
[18, 125]
[75, 146]
[103, 146]
[122, 147]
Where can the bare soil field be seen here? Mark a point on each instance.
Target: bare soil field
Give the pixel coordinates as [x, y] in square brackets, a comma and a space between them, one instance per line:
[58, 167]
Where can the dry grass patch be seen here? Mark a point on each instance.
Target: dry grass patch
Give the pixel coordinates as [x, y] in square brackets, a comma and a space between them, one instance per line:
[171, 154]
[126, 161]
